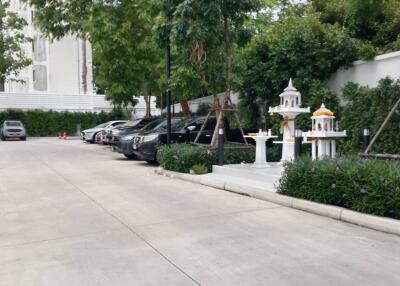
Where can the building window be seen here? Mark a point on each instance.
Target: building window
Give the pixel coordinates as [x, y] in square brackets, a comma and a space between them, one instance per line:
[39, 49]
[40, 78]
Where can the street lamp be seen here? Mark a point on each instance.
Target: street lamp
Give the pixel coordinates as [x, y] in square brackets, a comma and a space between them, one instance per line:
[298, 139]
[366, 138]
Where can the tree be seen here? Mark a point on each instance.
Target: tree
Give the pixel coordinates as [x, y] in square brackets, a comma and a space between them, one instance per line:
[58, 19]
[12, 38]
[129, 60]
[203, 27]
[301, 48]
[126, 60]
[376, 23]
[193, 73]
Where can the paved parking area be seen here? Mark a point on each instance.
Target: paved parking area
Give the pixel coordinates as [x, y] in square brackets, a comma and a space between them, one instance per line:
[76, 214]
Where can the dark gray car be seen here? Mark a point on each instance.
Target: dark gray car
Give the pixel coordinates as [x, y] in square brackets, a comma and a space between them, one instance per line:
[12, 129]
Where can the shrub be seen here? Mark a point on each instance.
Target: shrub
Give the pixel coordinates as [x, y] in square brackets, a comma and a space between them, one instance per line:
[370, 186]
[49, 123]
[199, 169]
[182, 157]
[366, 51]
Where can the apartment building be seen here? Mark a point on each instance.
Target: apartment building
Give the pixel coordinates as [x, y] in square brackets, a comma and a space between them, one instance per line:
[58, 66]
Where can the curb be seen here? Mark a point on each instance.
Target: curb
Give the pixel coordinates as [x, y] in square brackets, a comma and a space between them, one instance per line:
[382, 224]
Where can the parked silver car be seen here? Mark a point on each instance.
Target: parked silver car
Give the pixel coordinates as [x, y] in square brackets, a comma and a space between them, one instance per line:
[89, 135]
[12, 129]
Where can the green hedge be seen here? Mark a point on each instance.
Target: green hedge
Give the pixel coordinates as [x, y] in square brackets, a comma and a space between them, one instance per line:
[368, 186]
[368, 107]
[50, 123]
[182, 157]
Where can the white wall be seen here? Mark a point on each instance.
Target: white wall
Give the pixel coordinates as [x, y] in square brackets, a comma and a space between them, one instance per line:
[65, 67]
[367, 73]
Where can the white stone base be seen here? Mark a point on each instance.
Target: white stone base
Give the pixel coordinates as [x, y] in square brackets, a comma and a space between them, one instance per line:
[258, 176]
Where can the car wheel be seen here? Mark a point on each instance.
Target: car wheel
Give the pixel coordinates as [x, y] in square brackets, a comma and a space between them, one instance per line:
[131, 156]
[93, 139]
[98, 139]
[2, 137]
[23, 138]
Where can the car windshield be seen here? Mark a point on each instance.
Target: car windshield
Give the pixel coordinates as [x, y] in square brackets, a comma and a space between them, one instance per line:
[102, 125]
[159, 124]
[152, 125]
[181, 124]
[131, 123]
[13, 123]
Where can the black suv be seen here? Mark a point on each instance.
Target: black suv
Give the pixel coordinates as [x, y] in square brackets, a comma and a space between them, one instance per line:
[124, 143]
[114, 134]
[146, 143]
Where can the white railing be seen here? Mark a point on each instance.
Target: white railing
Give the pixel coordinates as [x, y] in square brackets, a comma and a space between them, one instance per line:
[65, 102]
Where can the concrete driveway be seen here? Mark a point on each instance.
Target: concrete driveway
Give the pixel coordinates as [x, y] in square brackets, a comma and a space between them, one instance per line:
[76, 214]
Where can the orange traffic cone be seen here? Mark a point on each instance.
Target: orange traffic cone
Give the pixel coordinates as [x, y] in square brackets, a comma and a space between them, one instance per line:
[65, 136]
[59, 135]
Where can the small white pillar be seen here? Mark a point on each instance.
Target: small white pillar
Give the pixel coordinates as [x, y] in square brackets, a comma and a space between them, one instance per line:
[333, 146]
[327, 148]
[321, 148]
[314, 149]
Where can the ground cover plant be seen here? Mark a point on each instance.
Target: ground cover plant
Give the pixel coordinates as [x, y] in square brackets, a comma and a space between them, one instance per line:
[186, 157]
[366, 185]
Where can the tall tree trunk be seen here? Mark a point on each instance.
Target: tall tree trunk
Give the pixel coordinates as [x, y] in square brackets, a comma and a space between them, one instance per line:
[228, 58]
[147, 100]
[185, 108]
[84, 65]
[2, 84]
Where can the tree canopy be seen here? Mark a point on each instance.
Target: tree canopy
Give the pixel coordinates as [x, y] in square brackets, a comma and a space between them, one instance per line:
[376, 23]
[12, 38]
[301, 48]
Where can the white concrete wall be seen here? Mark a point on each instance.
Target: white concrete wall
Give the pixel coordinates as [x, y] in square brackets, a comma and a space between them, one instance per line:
[65, 67]
[367, 73]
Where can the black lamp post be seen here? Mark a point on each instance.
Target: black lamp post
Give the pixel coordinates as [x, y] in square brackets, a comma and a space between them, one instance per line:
[366, 138]
[298, 139]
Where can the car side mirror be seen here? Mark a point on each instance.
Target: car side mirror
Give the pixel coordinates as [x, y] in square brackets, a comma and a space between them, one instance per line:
[191, 128]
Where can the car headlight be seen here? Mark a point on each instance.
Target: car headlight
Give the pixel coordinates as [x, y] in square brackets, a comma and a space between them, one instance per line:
[150, 138]
[128, 138]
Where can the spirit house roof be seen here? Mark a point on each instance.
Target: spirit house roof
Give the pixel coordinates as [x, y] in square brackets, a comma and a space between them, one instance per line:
[323, 111]
[290, 102]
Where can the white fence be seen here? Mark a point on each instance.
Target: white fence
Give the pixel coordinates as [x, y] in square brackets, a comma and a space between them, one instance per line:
[66, 102]
[367, 73]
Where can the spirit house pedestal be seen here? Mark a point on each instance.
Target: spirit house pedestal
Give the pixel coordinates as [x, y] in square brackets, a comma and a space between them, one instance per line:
[289, 109]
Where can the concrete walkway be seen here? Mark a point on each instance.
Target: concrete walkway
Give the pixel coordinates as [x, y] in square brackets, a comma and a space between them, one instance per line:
[76, 214]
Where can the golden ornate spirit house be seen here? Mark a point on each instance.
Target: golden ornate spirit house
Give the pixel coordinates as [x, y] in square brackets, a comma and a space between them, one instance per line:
[289, 109]
[323, 136]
